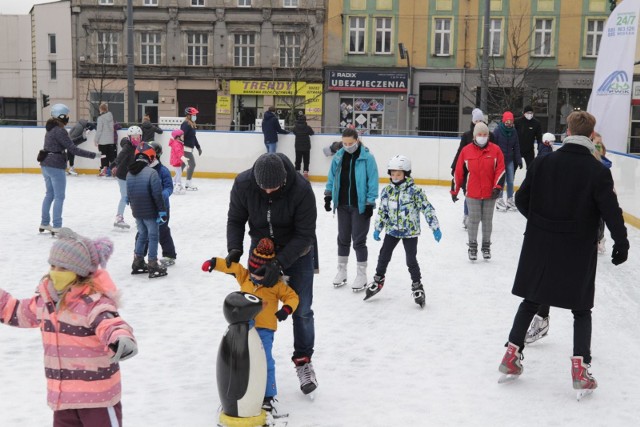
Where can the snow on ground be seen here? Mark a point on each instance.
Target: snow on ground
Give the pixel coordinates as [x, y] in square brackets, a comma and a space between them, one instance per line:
[379, 363]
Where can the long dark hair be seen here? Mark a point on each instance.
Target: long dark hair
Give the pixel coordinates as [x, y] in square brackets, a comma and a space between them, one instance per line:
[349, 132]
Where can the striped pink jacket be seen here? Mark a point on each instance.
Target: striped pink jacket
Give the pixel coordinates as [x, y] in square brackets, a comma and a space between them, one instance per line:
[76, 338]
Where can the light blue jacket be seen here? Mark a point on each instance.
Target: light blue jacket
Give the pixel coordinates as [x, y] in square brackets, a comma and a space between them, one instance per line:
[366, 178]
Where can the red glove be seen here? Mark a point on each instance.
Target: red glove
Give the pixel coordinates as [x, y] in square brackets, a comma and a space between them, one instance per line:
[209, 265]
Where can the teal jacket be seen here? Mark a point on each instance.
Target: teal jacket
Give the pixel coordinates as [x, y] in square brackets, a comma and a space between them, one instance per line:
[366, 178]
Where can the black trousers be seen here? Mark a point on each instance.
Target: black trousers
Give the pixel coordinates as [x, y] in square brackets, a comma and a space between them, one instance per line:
[302, 157]
[108, 154]
[581, 328]
[528, 158]
[410, 250]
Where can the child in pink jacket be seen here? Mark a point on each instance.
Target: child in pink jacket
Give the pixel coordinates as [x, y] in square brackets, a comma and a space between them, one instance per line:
[84, 338]
[177, 159]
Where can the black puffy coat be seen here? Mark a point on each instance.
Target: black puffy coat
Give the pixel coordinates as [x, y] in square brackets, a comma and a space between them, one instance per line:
[288, 216]
[528, 132]
[563, 197]
[149, 131]
[303, 133]
[271, 127]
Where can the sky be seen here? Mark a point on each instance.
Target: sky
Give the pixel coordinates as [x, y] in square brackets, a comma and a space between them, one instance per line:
[379, 363]
[19, 7]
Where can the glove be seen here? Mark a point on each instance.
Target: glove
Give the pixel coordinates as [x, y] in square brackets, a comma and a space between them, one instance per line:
[454, 197]
[209, 265]
[376, 235]
[283, 313]
[368, 211]
[327, 203]
[271, 273]
[199, 151]
[520, 165]
[437, 234]
[619, 255]
[233, 256]
[495, 193]
[114, 171]
[162, 217]
[124, 348]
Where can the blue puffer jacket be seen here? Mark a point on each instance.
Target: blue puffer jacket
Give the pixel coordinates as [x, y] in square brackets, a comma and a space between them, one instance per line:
[167, 182]
[400, 207]
[144, 191]
[366, 178]
[56, 141]
[509, 145]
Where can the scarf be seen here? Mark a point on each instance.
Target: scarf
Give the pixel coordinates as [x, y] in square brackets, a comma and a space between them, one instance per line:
[580, 140]
[505, 130]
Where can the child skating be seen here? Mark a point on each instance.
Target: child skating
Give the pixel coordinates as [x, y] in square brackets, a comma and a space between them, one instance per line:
[401, 203]
[84, 337]
[177, 159]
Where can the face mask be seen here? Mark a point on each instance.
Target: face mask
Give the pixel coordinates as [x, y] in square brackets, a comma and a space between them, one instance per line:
[193, 118]
[397, 181]
[62, 279]
[154, 163]
[482, 140]
[528, 116]
[508, 125]
[352, 148]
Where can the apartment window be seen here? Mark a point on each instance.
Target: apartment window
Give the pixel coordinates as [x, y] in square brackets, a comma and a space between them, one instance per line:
[542, 37]
[244, 3]
[442, 39]
[356, 34]
[197, 49]
[383, 35]
[105, 2]
[244, 50]
[150, 48]
[150, 2]
[53, 70]
[107, 48]
[197, 3]
[595, 28]
[52, 43]
[290, 3]
[289, 50]
[495, 37]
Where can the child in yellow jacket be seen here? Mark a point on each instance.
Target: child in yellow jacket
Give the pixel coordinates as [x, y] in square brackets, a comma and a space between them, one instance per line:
[265, 321]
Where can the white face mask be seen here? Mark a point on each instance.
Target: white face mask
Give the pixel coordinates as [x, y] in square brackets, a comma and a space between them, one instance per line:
[193, 118]
[482, 140]
[529, 116]
[352, 148]
[154, 163]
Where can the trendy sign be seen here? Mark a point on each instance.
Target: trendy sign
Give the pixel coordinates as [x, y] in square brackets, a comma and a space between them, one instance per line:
[610, 100]
[367, 81]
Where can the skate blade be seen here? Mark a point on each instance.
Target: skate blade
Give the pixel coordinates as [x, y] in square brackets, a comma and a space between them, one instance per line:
[507, 378]
[340, 284]
[359, 289]
[580, 394]
[421, 304]
[140, 272]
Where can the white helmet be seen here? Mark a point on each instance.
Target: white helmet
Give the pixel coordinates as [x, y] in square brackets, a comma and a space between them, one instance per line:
[399, 163]
[548, 137]
[134, 131]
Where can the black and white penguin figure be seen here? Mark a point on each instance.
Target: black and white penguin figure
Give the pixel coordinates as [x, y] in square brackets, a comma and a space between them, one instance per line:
[242, 365]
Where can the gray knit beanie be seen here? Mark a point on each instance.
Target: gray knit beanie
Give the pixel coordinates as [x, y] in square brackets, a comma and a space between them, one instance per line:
[79, 254]
[269, 171]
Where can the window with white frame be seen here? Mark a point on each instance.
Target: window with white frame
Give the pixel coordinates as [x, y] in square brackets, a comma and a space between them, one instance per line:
[244, 50]
[52, 43]
[595, 28]
[197, 3]
[197, 49]
[289, 50]
[107, 47]
[105, 2]
[542, 37]
[150, 2]
[357, 31]
[150, 48]
[290, 3]
[383, 35]
[442, 37]
[495, 37]
[244, 3]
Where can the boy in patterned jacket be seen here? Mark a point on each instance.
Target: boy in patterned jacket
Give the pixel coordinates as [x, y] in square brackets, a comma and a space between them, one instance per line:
[399, 213]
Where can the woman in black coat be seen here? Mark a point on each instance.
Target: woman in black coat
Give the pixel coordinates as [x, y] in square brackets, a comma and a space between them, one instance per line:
[303, 133]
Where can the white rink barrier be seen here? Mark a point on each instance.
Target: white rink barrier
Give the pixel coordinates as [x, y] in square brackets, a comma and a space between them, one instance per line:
[225, 154]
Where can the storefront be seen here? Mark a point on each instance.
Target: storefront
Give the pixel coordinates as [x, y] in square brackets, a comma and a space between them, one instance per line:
[366, 100]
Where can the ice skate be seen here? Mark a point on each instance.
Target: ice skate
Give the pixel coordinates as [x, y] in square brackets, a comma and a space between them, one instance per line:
[465, 221]
[538, 329]
[341, 275]
[473, 251]
[72, 171]
[119, 223]
[105, 172]
[374, 287]
[501, 205]
[139, 266]
[486, 251]
[601, 245]
[44, 228]
[167, 261]
[583, 381]
[54, 231]
[306, 374]
[156, 270]
[511, 367]
[360, 282]
[511, 204]
[417, 291]
[305, 174]
[179, 190]
[189, 186]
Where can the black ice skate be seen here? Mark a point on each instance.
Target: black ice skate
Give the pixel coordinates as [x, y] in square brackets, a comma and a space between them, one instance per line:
[374, 287]
[139, 266]
[156, 270]
[473, 251]
[417, 291]
[486, 251]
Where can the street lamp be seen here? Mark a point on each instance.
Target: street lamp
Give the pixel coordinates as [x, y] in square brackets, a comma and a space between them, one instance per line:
[404, 54]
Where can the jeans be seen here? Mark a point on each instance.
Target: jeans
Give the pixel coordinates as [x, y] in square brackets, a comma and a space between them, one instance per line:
[301, 280]
[165, 239]
[271, 146]
[466, 207]
[148, 234]
[353, 226]
[266, 336]
[55, 181]
[122, 183]
[509, 172]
